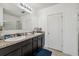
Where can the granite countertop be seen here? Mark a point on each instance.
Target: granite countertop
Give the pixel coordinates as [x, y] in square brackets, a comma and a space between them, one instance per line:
[4, 43]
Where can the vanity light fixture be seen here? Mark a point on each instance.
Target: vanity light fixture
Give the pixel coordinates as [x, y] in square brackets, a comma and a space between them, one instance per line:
[25, 7]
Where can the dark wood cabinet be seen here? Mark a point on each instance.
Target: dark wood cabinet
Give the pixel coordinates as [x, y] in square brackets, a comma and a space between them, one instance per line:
[39, 42]
[27, 48]
[34, 44]
[24, 48]
[42, 40]
[9, 49]
[16, 52]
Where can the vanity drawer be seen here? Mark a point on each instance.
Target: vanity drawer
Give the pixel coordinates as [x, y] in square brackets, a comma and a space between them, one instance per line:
[16, 52]
[9, 49]
[26, 42]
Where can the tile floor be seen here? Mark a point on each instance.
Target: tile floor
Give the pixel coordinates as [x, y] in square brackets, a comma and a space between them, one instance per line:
[56, 52]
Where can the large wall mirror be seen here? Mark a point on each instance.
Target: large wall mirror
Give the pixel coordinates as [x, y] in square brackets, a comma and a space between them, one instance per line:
[11, 21]
[14, 17]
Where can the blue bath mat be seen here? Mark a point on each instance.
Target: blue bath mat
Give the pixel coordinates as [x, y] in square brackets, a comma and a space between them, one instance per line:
[42, 52]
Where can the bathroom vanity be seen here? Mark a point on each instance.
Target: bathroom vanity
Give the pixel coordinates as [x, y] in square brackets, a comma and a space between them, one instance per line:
[24, 47]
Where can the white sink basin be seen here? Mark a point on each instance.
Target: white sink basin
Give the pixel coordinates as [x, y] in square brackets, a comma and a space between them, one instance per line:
[16, 38]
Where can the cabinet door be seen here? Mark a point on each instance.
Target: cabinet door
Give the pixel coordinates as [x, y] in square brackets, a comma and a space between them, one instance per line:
[43, 40]
[39, 42]
[27, 47]
[27, 50]
[14, 53]
[34, 44]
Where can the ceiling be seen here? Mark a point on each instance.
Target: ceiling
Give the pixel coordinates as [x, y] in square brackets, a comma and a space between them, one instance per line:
[39, 6]
[13, 9]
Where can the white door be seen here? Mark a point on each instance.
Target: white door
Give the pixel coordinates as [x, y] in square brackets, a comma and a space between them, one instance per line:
[55, 29]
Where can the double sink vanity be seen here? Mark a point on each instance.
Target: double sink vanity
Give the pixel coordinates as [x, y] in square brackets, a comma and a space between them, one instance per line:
[22, 45]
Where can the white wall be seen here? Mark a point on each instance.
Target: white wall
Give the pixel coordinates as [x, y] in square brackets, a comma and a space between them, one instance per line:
[34, 17]
[70, 34]
[78, 26]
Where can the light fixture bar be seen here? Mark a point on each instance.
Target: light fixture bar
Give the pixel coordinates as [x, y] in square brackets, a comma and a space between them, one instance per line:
[25, 7]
